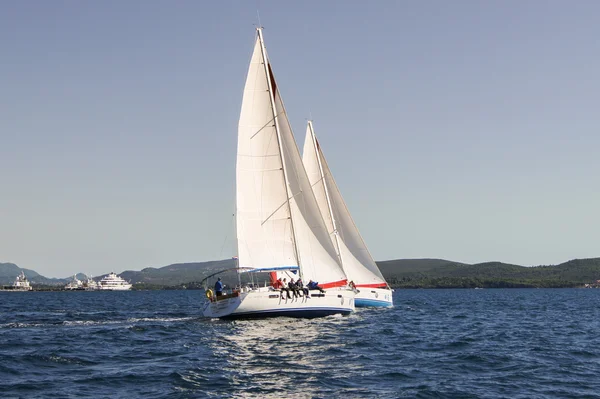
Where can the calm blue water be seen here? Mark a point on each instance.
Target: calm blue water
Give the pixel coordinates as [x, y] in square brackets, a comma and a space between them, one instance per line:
[433, 344]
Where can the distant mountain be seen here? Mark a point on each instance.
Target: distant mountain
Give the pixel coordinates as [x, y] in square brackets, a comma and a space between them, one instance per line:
[422, 273]
[10, 271]
[177, 273]
[400, 273]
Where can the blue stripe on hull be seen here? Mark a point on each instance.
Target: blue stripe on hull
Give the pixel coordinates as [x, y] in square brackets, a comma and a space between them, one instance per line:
[362, 303]
[298, 313]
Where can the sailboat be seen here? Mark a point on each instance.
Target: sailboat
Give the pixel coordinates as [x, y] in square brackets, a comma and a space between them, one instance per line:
[279, 227]
[351, 249]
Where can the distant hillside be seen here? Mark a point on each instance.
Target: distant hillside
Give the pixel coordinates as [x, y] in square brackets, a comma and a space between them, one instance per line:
[10, 271]
[400, 273]
[432, 273]
[178, 273]
[175, 274]
[405, 273]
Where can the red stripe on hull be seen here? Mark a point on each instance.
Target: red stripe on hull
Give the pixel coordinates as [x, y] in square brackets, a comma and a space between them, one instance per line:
[340, 283]
[376, 285]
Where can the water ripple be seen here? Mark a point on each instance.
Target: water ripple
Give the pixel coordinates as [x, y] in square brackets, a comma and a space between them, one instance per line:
[433, 344]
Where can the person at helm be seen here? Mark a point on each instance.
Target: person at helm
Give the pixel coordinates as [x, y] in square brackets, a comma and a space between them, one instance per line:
[219, 287]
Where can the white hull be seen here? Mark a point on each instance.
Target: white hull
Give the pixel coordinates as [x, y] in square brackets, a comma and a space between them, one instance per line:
[18, 289]
[115, 288]
[21, 284]
[266, 302]
[374, 297]
[112, 282]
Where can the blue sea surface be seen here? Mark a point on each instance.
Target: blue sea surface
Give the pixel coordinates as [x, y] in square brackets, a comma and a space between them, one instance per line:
[492, 343]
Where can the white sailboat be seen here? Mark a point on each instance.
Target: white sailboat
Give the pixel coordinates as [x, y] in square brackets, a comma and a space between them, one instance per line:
[278, 222]
[351, 249]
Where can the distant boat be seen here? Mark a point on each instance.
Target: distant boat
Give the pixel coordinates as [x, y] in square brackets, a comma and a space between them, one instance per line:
[91, 285]
[112, 282]
[20, 284]
[279, 226]
[74, 285]
[351, 249]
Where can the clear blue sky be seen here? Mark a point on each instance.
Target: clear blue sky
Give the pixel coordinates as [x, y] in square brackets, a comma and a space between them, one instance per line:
[463, 130]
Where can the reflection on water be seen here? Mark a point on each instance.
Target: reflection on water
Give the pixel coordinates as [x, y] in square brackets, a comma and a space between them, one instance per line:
[268, 357]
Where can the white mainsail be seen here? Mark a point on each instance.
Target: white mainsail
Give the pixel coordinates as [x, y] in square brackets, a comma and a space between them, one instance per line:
[351, 248]
[279, 223]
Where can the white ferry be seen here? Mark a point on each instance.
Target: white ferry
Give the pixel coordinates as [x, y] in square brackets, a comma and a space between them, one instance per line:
[21, 284]
[112, 282]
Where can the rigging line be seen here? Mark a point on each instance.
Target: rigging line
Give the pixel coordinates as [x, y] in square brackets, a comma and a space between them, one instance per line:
[279, 207]
[226, 236]
[224, 271]
[265, 125]
[315, 183]
[258, 15]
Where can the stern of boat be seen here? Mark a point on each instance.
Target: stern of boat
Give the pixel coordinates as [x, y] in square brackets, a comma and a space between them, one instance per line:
[216, 307]
[374, 297]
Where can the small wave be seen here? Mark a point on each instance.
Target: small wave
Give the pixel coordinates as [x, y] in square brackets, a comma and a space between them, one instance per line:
[458, 344]
[157, 345]
[58, 359]
[91, 322]
[64, 360]
[22, 325]
[159, 319]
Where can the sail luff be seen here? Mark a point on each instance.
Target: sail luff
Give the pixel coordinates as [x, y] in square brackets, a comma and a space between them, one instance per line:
[270, 84]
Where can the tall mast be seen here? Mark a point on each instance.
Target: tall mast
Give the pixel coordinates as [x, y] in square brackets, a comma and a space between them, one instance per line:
[276, 119]
[335, 231]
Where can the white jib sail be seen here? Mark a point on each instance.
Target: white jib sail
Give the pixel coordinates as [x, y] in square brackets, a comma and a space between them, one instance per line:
[276, 225]
[352, 250]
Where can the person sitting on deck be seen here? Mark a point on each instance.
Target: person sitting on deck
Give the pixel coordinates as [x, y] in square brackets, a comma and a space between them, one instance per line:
[278, 284]
[284, 288]
[219, 287]
[292, 287]
[300, 286]
[313, 285]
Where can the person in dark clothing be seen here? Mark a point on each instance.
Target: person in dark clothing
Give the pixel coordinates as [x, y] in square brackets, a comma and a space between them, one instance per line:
[313, 285]
[301, 286]
[292, 287]
[219, 287]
